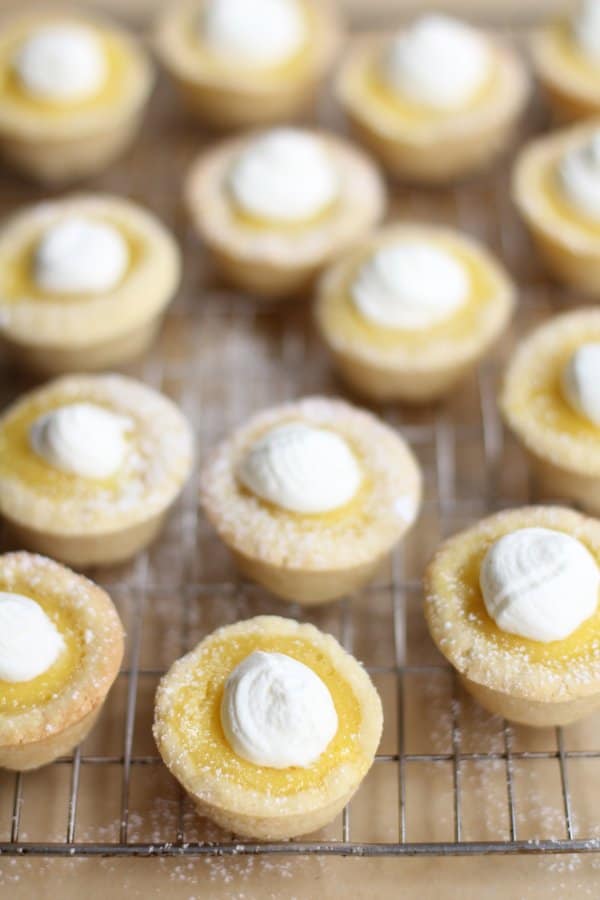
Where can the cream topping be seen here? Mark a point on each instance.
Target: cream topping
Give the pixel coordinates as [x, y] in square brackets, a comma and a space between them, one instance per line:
[410, 284]
[81, 438]
[585, 26]
[539, 583]
[437, 61]
[79, 255]
[301, 468]
[29, 640]
[277, 712]
[255, 32]
[284, 175]
[61, 63]
[581, 382]
[579, 176]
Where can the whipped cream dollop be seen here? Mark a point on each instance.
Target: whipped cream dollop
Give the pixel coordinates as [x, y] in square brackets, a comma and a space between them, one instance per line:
[277, 712]
[438, 61]
[585, 26]
[581, 382]
[539, 584]
[579, 176]
[79, 255]
[255, 32]
[82, 439]
[61, 62]
[29, 640]
[284, 175]
[301, 468]
[410, 284]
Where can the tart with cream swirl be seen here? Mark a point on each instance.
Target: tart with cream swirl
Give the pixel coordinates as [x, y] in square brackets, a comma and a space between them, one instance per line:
[72, 91]
[410, 312]
[247, 62]
[276, 207]
[550, 400]
[512, 603]
[435, 101]
[89, 466]
[84, 282]
[269, 725]
[556, 187]
[311, 496]
[566, 57]
[61, 645]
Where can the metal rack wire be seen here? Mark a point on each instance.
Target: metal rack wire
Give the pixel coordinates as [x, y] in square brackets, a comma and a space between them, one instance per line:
[187, 566]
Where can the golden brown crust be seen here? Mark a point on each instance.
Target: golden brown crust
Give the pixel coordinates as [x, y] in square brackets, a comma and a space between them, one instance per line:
[573, 89]
[249, 811]
[102, 630]
[481, 654]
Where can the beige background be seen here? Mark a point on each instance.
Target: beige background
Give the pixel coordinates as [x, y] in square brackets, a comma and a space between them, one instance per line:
[209, 328]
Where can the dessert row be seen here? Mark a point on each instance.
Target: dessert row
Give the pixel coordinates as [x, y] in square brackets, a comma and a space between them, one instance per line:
[434, 100]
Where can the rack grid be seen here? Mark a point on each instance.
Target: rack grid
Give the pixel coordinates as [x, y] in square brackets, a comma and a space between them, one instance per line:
[222, 356]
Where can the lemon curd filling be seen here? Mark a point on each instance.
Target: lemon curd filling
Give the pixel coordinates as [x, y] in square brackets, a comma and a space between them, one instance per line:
[17, 697]
[17, 279]
[557, 655]
[377, 91]
[14, 94]
[567, 47]
[19, 461]
[345, 320]
[257, 224]
[195, 716]
[558, 202]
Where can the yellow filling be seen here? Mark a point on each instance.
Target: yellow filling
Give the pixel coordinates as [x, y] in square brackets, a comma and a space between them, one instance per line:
[559, 203]
[246, 220]
[17, 697]
[14, 94]
[344, 319]
[195, 716]
[556, 654]
[19, 461]
[17, 275]
[566, 46]
[379, 92]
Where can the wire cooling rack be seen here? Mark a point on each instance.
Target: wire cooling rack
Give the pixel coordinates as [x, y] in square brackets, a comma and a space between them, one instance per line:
[449, 778]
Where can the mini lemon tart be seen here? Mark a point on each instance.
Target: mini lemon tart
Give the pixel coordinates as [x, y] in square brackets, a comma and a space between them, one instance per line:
[84, 283]
[72, 91]
[247, 62]
[274, 208]
[89, 465]
[512, 603]
[411, 311]
[311, 496]
[434, 102]
[269, 725]
[556, 187]
[550, 399]
[566, 58]
[61, 645]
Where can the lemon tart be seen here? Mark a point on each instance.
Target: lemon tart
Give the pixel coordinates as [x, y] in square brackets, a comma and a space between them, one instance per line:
[566, 58]
[411, 311]
[512, 603]
[72, 91]
[556, 187]
[435, 101]
[247, 62]
[84, 282]
[60, 651]
[275, 207]
[89, 466]
[311, 496]
[269, 725]
[550, 400]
